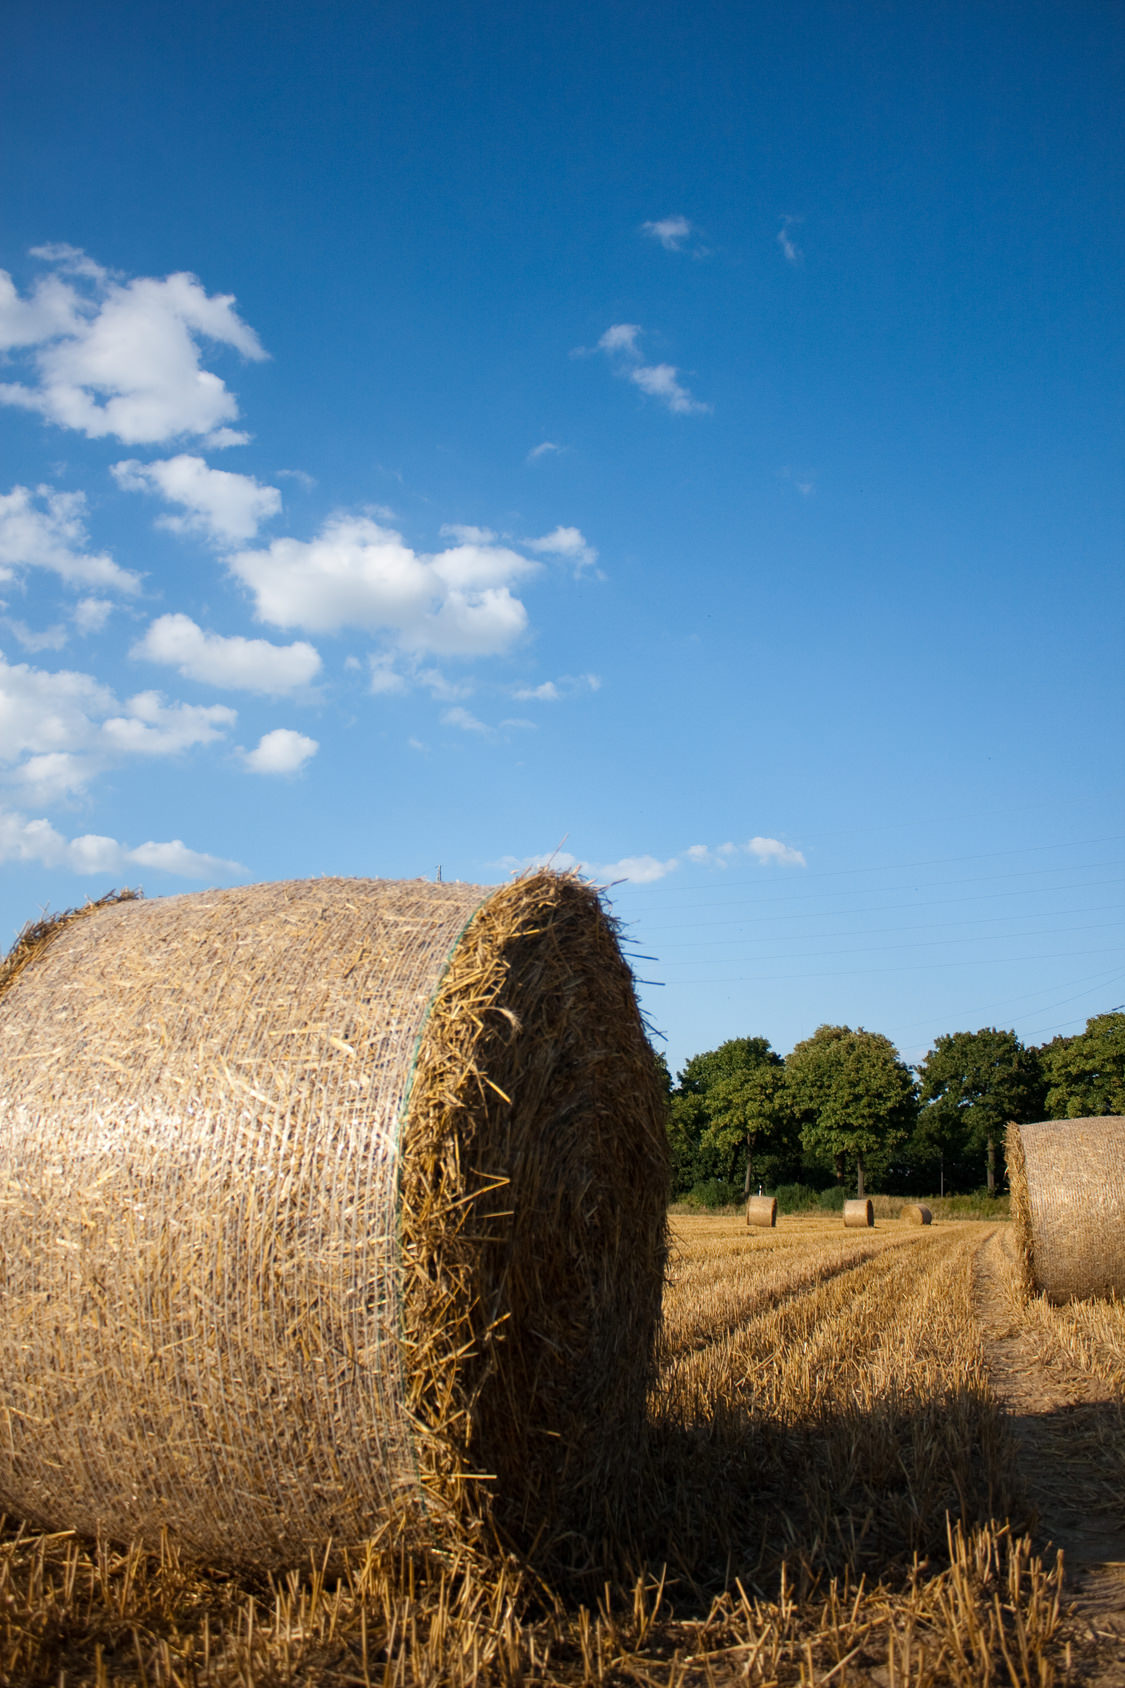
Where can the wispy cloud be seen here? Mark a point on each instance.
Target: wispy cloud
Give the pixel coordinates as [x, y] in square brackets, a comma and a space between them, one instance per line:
[463, 720]
[645, 869]
[671, 232]
[661, 381]
[790, 250]
[46, 529]
[567, 542]
[546, 448]
[554, 691]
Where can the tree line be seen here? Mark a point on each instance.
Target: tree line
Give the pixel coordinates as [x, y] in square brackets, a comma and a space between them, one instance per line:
[843, 1107]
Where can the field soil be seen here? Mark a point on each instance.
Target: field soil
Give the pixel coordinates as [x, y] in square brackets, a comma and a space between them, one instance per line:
[1065, 1421]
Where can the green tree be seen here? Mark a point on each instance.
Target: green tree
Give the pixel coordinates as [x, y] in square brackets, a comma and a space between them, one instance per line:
[972, 1084]
[724, 1109]
[853, 1095]
[1085, 1074]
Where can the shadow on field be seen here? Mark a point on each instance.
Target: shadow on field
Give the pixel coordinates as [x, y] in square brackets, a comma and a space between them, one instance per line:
[739, 1495]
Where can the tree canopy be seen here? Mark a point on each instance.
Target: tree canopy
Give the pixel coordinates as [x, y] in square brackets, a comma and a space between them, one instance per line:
[972, 1084]
[1085, 1074]
[854, 1096]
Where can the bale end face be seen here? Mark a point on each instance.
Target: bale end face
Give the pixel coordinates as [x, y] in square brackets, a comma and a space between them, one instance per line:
[859, 1214]
[1067, 1181]
[916, 1213]
[761, 1210]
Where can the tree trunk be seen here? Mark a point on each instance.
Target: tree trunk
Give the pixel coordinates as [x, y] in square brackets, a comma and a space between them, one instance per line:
[859, 1189]
[991, 1167]
[840, 1168]
[747, 1182]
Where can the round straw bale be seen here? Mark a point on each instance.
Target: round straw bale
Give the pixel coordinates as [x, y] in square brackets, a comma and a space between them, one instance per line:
[1067, 1182]
[859, 1213]
[325, 1208]
[761, 1210]
[916, 1213]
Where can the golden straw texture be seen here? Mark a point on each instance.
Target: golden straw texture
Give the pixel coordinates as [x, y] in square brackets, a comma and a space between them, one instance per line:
[916, 1213]
[761, 1210]
[270, 1248]
[1067, 1179]
[859, 1213]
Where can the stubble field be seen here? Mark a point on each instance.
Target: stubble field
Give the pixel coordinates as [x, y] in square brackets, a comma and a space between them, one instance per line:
[858, 1445]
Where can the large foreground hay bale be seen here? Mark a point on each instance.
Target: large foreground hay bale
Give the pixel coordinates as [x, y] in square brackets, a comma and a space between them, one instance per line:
[325, 1207]
[761, 1210]
[917, 1213]
[859, 1213]
[1067, 1180]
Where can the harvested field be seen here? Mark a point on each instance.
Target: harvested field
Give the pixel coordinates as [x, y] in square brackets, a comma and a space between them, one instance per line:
[838, 1492]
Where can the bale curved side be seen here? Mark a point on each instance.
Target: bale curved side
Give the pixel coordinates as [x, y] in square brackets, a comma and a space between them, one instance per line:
[761, 1210]
[917, 1213]
[859, 1213]
[1067, 1181]
[289, 1179]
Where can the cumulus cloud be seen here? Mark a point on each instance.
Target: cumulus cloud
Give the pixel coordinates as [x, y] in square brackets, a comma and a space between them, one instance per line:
[760, 849]
[568, 542]
[59, 730]
[44, 529]
[223, 507]
[659, 380]
[90, 615]
[214, 659]
[359, 573]
[280, 752]
[24, 840]
[467, 535]
[671, 232]
[121, 358]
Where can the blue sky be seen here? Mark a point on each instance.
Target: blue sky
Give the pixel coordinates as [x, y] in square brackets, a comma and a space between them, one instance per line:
[685, 440]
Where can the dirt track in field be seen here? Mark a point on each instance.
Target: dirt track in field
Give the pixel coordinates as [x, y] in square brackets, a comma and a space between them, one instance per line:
[1060, 1420]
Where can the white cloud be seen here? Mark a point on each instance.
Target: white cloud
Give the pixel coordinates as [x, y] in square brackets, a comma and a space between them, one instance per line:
[46, 639]
[222, 506]
[790, 250]
[568, 542]
[91, 614]
[59, 730]
[545, 449]
[358, 573]
[548, 692]
[621, 337]
[464, 720]
[44, 529]
[305, 481]
[671, 232]
[761, 849]
[467, 535]
[252, 665]
[638, 870]
[384, 676]
[553, 691]
[659, 380]
[281, 752]
[24, 840]
[122, 358]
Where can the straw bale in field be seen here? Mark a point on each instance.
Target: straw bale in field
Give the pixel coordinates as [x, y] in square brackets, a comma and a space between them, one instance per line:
[1067, 1179]
[326, 1207]
[761, 1210]
[917, 1213]
[859, 1213]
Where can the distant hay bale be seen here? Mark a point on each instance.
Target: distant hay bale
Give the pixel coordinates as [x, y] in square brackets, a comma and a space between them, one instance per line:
[916, 1213]
[859, 1213]
[327, 1207]
[761, 1210]
[1067, 1180]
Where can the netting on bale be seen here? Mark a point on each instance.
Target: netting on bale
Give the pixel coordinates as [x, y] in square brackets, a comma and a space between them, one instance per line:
[1067, 1183]
[327, 1207]
[859, 1212]
[761, 1210]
